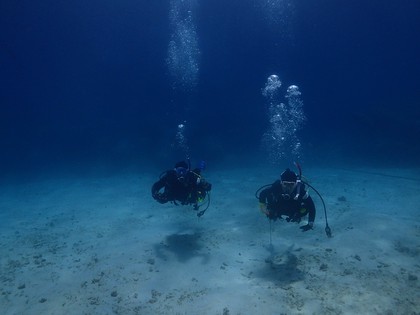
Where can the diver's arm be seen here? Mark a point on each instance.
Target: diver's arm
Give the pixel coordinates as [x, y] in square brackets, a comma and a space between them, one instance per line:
[311, 210]
[309, 204]
[263, 201]
[160, 197]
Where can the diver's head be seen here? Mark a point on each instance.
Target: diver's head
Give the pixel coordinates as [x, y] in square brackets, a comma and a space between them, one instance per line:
[288, 181]
[181, 168]
[202, 165]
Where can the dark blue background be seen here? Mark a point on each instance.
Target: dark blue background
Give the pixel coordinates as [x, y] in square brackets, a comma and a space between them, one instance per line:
[86, 81]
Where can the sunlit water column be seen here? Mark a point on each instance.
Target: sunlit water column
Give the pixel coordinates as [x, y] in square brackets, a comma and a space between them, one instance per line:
[183, 50]
[281, 141]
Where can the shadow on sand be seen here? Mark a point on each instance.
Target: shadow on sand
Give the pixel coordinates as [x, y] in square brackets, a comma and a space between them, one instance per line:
[281, 269]
[183, 246]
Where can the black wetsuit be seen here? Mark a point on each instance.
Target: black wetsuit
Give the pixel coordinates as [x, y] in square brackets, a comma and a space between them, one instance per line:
[279, 203]
[188, 189]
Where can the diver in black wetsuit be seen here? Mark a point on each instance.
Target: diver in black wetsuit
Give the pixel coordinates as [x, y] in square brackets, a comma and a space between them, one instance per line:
[183, 185]
[288, 197]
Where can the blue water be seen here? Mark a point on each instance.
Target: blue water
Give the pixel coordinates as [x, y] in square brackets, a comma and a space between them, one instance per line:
[97, 98]
[84, 82]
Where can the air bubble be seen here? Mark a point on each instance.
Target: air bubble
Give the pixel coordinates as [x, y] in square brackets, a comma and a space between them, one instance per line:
[285, 120]
[183, 49]
[181, 139]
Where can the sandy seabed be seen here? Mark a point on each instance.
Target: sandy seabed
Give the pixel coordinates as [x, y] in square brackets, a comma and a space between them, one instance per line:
[101, 245]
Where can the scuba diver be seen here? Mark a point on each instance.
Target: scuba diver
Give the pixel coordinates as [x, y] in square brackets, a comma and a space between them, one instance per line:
[289, 197]
[183, 185]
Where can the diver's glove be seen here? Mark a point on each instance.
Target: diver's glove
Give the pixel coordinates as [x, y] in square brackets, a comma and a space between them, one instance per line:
[307, 227]
[294, 218]
[205, 185]
[160, 197]
[263, 209]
